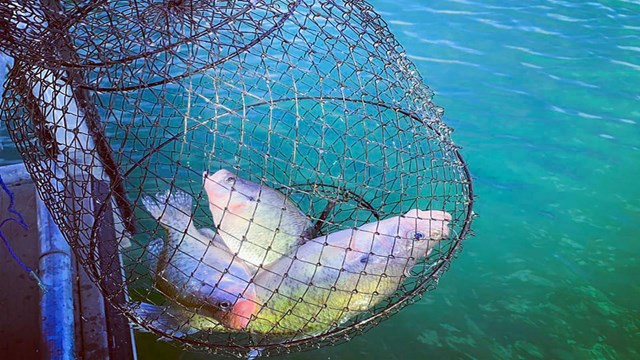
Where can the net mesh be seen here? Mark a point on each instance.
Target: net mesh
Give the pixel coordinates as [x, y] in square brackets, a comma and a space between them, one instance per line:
[309, 111]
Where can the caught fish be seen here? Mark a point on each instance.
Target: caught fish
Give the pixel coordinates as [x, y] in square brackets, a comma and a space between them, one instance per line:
[334, 277]
[258, 223]
[329, 279]
[192, 267]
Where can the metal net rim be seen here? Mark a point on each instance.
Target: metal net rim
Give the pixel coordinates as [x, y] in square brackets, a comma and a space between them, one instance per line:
[32, 54]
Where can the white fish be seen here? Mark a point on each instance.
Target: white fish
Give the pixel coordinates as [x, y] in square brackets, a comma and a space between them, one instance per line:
[257, 222]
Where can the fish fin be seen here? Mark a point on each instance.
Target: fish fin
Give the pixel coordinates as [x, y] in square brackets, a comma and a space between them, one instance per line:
[152, 206]
[215, 239]
[210, 234]
[166, 319]
[172, 210]
[218, 242]
[154, 248]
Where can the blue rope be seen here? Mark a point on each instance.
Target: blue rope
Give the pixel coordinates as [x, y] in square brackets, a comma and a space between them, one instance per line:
[20, 220]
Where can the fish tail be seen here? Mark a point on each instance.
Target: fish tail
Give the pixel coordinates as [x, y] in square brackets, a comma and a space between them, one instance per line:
[172, 210]
[166, 319]
[154, 249]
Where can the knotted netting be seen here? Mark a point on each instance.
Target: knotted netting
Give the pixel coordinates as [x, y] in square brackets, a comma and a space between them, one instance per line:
[237, 175]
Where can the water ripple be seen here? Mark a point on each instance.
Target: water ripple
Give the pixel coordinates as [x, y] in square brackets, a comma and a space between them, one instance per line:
[436, 60]
[588, 116]
[626, 63]
[538, 30]
[453, 45]
[574, 82]
[400, 22]
[565, 18]
[537, 53]
[529, 65]
[494, 24]
[446, 12]
[632, 48]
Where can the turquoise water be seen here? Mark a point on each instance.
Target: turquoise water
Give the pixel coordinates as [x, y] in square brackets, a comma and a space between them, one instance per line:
[545, 102]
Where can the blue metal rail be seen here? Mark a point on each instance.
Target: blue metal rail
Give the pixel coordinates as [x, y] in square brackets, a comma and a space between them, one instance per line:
[56, 303]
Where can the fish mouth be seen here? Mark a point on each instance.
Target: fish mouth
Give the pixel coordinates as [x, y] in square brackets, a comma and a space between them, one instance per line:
[237, 316]
[219, 188]
[215, 179]
[213, 187]
[240, 314]
[441, 232]
[241, 309]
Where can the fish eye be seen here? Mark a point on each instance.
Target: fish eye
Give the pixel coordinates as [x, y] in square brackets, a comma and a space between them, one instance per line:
[364, 259]
[230, 179]
[224, 305]
[417, 235]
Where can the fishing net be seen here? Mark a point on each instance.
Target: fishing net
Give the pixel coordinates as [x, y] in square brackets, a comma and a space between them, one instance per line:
[130, 114]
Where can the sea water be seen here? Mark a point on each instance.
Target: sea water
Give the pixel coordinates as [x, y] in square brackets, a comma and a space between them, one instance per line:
[544, 99]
